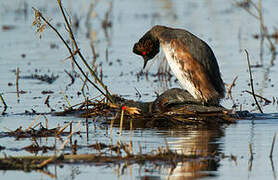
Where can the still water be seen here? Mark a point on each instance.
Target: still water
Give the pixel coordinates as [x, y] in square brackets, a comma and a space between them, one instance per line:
[227, 28]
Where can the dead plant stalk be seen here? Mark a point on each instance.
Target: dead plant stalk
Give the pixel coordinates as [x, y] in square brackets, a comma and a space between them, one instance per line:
[272, 145]
[121, 125]
[229, 91]
[62, 129]
[52, 158]
[33, 122]
[17, 78]
[3, 101]
[251, 152]
[251, 81]
[258, 15]
[107, 94]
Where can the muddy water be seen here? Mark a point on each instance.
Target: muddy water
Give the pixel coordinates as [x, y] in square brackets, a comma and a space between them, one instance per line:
[224, 26]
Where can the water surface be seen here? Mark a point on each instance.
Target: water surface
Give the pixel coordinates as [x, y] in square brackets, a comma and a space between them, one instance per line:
[224, 26]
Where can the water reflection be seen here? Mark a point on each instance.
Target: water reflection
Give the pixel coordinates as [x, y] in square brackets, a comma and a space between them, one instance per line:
[196, 141]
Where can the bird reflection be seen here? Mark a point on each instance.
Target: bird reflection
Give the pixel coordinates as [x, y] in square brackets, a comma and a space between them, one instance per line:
[196, 141]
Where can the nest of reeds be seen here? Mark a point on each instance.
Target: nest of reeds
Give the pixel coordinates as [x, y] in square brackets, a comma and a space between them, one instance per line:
[173, 109]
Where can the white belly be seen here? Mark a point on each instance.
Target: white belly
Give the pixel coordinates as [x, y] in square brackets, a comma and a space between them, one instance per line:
[178, 71]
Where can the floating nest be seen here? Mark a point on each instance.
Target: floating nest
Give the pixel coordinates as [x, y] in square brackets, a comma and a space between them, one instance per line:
[173, 109]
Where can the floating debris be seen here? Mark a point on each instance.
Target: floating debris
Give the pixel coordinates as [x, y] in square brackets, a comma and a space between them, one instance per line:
[159, 157]
[41, 132]
[45, 78]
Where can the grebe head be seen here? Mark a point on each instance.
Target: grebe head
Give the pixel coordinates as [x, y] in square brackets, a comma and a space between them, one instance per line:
[147, 47]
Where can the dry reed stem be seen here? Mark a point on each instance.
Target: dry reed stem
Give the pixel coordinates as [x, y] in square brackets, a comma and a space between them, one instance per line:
[46, 121]
[62, 129]
[94, 54]
[248, 10]
[265, 99]
[69, 136]
[139, 94]
[84, 84]
[47, 101]
[251, 157]
[33, 122]
[272, 145]
[251, 81]
[158, 155]
[17, 78]
[130, 135]
[66, 98]
[108, 95]
[45, 162]
[111, 125]
[258, 8]
[87, 112]
[4, 103]
[229, 91]
[48, 173]
[49, 160]
[128, 153]
[251, 151]
[38, 13]
[121, 125]
[38, 124]
[273, 168]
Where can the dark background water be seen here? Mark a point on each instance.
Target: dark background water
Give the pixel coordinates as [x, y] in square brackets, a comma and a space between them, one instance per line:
[227, 28]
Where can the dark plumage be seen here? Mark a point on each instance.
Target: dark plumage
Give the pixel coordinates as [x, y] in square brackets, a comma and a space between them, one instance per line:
[147, 47]
[190, 58]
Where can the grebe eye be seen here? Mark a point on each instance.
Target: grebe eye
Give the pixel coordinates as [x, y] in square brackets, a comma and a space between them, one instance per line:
[144, 53]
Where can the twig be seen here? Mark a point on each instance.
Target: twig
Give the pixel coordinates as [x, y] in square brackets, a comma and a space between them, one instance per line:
[72, 55]
[17, 77]
[273, 168]
[71, 77]
[121, 123]
[229, 92]
[266, 100]
[251, 158]
[66, 98]
[248, 10]
[47, 101]
[46, 121]
[259, 9]
[272, 145]
[84, 85]
[33, 122]
[49, 160]
[251, 81]
[251, 152]
[139, 94]
[130, 135]
[94, 54]
[4, 103]
[48, 173]
[258, 15]
[87, 114]
[108, 95]
[62, 129]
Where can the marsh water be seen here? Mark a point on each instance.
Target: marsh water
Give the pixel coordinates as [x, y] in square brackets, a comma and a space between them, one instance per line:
[226, 27]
